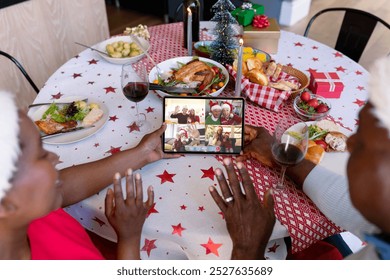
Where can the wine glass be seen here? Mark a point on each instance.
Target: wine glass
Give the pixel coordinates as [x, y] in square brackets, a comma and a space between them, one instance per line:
[135, 86]
[289, 145]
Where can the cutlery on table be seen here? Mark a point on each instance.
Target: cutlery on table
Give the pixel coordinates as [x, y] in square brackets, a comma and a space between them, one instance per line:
[66, 131]
[88, 47]
[60, 102]
[135, 39]
[153, 86]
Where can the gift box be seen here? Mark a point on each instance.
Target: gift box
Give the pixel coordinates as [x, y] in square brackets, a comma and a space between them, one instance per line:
[245, 14]
[326, 84]
[265, 39]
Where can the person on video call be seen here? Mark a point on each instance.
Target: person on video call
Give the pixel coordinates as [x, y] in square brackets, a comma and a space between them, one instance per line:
[227, 115]
[215, 113]
[359, 203]
[182, 117]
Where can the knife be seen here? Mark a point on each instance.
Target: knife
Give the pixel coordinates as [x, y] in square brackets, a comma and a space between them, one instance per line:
[66, 131]
[49, 103]
[153, 86]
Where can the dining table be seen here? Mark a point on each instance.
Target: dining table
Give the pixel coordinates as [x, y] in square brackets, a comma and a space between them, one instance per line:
[184, 221]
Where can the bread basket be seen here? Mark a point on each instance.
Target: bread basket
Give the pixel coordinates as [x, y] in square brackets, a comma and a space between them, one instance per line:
[303, 79]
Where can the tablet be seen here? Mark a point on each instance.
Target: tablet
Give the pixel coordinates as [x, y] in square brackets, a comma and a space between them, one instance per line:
[203, 125]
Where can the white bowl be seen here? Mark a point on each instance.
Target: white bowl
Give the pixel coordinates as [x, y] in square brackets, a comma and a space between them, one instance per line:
[167, 65]
[123, 60]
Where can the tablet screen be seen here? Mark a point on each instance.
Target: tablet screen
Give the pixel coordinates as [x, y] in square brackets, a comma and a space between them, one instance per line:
[203, 125]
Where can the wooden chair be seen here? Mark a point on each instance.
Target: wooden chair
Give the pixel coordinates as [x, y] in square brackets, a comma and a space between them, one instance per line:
[355, 31]
[21, 68]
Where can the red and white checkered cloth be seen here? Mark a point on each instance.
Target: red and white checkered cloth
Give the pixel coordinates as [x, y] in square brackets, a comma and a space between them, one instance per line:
[267, 97]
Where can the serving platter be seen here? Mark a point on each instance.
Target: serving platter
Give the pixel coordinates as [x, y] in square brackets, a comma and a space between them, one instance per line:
[36, 113]
[167, 66]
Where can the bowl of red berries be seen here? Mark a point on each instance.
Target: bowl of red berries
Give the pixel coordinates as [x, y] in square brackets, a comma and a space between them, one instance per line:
[311, 107]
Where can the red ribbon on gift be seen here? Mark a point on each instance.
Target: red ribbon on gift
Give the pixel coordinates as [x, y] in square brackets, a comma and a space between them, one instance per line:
[260, 21]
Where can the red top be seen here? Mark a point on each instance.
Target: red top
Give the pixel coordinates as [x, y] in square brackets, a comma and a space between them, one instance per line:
[58, 236]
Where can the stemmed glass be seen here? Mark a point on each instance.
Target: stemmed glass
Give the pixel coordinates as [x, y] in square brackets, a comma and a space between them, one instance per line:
[135, 86]
[289, 145]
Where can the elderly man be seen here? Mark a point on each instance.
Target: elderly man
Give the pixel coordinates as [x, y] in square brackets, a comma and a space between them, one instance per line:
[182, 116]
[360, 205]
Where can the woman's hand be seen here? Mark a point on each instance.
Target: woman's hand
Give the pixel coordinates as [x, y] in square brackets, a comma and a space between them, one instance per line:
[127, 215]
[258, 145]
[151, 145]
[249, 222]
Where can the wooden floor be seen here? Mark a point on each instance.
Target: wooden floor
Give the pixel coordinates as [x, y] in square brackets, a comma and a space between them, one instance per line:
[378, 45]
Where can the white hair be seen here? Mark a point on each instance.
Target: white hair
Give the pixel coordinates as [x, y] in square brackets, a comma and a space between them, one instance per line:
[379, 91]
[9, 140]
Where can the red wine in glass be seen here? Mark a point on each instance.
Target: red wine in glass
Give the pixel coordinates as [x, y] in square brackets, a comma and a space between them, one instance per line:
[136, 91]
[135, 86]
[287, 155]
[289, 145]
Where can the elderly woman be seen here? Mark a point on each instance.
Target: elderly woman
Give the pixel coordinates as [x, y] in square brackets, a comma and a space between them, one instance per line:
[33, 224]
[360, 204]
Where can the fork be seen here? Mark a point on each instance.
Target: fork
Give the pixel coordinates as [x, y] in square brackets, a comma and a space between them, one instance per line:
[49, 103]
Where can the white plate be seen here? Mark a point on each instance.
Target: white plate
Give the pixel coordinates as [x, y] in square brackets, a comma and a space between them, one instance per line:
[334, 161]
[36, 113]
[167, 65]
[124, 60]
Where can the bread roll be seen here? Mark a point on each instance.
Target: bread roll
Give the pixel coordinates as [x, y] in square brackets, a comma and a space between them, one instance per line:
[315, 153]
[244, 67]
[279, 86]
[336, 141]
[276, 74]
[289, 84]
[254, 63]
[257, 76]
[327, 125]
[271, 69]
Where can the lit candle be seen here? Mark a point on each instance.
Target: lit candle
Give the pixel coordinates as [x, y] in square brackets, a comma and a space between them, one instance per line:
[189, 32]
[237, 92]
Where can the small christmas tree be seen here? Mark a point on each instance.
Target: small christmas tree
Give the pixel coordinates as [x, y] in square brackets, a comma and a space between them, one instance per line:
[224, 46]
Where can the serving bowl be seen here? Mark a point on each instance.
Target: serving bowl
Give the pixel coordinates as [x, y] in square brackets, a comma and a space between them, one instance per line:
[308, 113]
[122, 60]
[167, 66]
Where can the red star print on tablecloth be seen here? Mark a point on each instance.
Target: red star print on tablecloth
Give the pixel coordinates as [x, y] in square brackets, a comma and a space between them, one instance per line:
[183, 207]
[100, 222]
[211, 247]
[149, 110]
[166, 177]
[113, 118]
[338, 54]
[356, 122]
[110, 89]
[91, 83]
[341, 69]
[57, 96]
[359, 102]
[177, 229]
[114, 150]
[298, 44]
[92, 61]
[152, 210]
[208, 173]
[96, 145]
[358, 73]
[360, 88]
[273, 248]
[149, 246]
[201, 208]
[133, 127]
[314, 47]
[315, 58]
[222, 215]
[76, 75]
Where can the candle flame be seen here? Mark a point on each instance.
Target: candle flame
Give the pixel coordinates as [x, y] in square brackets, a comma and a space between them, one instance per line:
[241, 42]
[189, 11]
